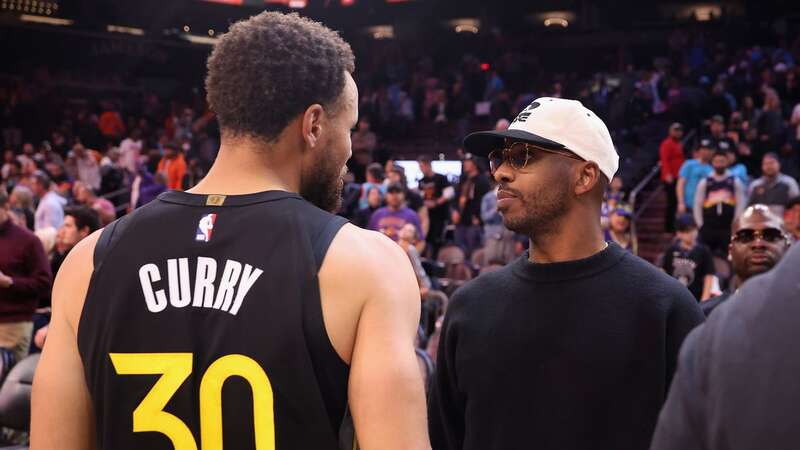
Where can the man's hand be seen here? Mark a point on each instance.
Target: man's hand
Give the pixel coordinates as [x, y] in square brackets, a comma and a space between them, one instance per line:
[5, 281]
[670, 179]
[681, 209]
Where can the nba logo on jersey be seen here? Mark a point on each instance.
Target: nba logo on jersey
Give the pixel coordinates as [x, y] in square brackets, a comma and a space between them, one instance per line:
[205, 227]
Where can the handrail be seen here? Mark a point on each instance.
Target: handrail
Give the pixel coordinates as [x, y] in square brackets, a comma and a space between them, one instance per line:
[640, 187]
[634, 194]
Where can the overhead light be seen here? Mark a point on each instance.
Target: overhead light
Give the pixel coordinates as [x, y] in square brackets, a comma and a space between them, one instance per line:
[704, 13]
[297, 4]
[466, 29]
[381, 32]
[210, 32]
[126, 30]
[186, 28]
[556, 22]
[195, 39]
[465, 25]
[45, 20]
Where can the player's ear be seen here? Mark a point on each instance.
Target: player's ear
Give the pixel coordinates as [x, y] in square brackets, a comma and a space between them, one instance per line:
[311, 124]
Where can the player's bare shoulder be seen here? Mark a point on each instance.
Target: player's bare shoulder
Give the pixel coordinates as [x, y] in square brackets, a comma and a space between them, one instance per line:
[368, 252]
[72, 281]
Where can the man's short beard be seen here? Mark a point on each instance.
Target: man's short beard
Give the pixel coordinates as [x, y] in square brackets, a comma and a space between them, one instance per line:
[324, 188]
[542, 211]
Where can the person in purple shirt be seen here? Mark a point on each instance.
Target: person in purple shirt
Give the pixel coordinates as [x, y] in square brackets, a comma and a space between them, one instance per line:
[391, 218]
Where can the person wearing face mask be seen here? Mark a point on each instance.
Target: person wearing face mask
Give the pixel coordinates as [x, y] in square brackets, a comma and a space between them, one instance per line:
[719, 200]
[758, 242]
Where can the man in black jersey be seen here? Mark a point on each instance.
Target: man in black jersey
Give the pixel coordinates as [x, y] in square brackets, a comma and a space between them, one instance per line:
[573, 345]
[244, 282]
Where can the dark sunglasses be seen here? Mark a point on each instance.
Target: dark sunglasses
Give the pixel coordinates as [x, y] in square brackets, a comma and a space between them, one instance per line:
[746, 236]
[519, 154]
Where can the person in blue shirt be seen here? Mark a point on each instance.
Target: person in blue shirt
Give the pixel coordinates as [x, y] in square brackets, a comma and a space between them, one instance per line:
[692, 171]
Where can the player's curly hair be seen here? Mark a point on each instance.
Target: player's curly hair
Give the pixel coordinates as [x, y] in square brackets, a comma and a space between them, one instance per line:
[271, 67]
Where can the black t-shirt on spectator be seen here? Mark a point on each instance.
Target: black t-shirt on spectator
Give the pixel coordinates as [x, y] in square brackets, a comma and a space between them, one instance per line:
[690, 267]
[474, 189]
[572, 355]
[431, 189]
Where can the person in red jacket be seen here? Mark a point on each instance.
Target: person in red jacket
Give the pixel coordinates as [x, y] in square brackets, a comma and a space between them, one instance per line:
[173, 166]
[671, 157]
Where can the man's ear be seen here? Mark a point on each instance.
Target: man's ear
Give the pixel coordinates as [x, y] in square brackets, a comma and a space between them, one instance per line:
[312, 124]
[588, 178]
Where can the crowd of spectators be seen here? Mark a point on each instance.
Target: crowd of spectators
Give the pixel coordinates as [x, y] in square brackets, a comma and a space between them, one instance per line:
[82, 162]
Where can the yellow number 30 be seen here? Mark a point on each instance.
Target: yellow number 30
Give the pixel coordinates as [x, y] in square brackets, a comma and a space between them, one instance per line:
[175, 368]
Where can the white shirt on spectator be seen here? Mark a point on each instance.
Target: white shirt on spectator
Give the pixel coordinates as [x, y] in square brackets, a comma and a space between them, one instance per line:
[50, 212]
[129, 154]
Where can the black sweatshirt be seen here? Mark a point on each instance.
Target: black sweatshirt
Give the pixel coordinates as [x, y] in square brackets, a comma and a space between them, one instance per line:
[574, 355]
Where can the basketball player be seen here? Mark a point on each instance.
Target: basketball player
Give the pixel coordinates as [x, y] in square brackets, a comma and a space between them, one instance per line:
[241, 314]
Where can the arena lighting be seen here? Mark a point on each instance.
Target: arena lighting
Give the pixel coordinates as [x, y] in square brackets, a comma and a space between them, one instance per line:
[465, 25]
[126, 30]
[211, 32]
[186, 28]
[485, 67]
[381, 32]
[556, 21]
[46, 20]
[466, 29]
[705, 13]
[195, 39]
[348, 2]
[297, 4]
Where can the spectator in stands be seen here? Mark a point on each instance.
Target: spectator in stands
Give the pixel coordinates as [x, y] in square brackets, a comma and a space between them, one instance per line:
[50, 212]
[719, 139]
[769, 122]
[84, 165]
[736, 168]
[619, 230]
[791, 218]
[86, 196]
[690, 175]
[364, 142]
[374, 202]
[437, 193]
[145, 188]
[391, 218]
[173, 166]
[720, 199]
[22, 202]
[113, 176]
[110, 122]
[79, 222]
[24, 278]
[758, 243]
[407, 239]
[736, 385]
[375, 178]
[690, 261]
[773, 189]
[130, 150]
[499, 243]
[523, 349]
[467, 217]
[413, 200]
[672, 158]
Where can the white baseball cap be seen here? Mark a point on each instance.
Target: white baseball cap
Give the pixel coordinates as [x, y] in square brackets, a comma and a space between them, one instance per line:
[554, 123]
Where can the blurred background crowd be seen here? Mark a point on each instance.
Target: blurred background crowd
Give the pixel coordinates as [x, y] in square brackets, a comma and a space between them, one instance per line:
[703, 103]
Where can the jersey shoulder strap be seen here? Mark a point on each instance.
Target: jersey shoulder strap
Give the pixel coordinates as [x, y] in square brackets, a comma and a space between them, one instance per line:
[323, 240]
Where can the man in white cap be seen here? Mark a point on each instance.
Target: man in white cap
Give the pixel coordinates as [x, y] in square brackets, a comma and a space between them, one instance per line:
[574, 344]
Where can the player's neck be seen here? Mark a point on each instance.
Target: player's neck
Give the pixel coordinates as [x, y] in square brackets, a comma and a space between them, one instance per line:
[240, 170]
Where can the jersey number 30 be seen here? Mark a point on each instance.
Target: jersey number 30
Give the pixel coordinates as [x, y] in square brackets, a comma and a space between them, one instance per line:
[174, 369]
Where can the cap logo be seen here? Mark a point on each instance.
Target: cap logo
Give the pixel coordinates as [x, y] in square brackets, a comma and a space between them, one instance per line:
[523, 116]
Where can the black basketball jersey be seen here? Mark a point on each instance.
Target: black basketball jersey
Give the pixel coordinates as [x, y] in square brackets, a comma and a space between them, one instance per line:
[203, 329]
